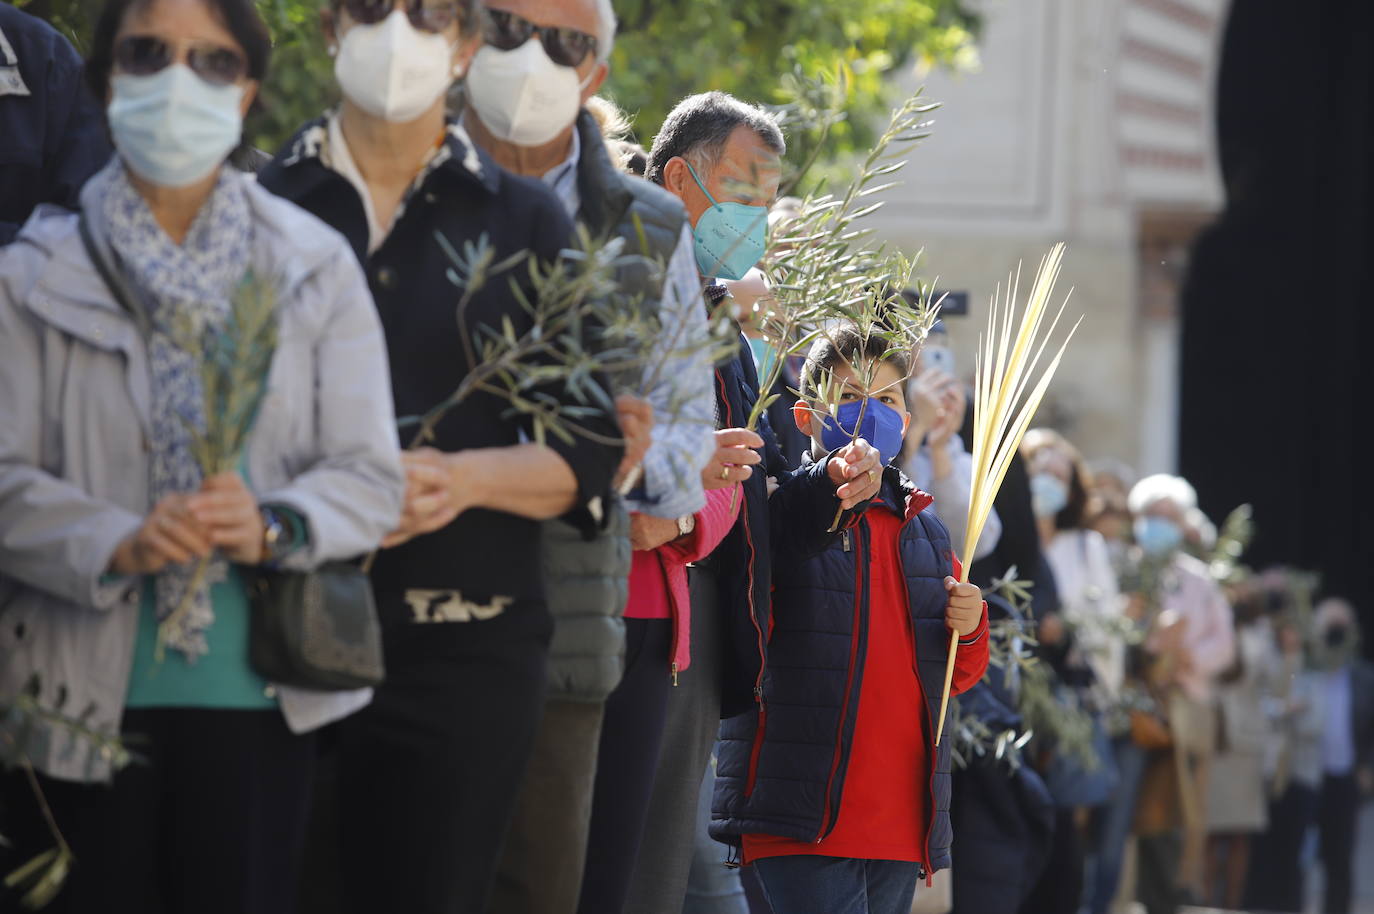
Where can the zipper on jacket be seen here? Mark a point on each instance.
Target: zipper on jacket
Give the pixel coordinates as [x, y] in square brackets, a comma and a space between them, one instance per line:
[830, 816]
[925, 715]
[753, 615]
[845, 540]
[675, 617]
[757, 749]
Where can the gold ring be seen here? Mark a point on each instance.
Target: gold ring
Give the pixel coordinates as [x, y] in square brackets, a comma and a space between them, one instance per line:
[724, 472]
[871, 477]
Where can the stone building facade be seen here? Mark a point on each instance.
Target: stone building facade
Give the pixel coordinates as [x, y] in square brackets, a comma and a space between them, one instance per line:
[1090, 122]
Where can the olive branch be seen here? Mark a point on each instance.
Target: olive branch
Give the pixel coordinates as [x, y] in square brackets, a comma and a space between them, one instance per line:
[42, 876]
[824, 266]
[1047, 716]
[234, 361]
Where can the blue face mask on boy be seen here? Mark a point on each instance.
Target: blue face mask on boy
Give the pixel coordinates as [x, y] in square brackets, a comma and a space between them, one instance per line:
[882, 427]
[730, 238]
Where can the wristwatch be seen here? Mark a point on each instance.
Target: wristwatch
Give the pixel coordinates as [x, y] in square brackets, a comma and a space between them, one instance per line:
[686, 524]
[274, 537]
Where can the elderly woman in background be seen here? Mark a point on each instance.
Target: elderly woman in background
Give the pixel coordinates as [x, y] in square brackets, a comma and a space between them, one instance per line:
[1191, 642]
[104, 508]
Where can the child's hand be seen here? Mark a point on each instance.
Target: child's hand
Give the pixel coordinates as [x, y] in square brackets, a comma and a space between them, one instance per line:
[964, 611]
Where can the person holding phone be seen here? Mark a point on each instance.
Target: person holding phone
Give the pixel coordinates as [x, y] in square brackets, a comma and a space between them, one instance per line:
[935, 457]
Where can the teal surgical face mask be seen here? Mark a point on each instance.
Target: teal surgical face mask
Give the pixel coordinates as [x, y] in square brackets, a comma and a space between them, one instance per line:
[764, 354]
[172, 127]
[730, 238]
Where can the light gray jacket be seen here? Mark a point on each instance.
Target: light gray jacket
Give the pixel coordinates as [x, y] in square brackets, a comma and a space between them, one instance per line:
[74, 461]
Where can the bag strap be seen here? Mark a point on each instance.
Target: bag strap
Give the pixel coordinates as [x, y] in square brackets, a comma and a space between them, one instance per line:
[114, 280]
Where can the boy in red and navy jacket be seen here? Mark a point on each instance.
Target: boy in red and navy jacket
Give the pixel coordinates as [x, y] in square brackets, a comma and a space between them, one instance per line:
[832, 784]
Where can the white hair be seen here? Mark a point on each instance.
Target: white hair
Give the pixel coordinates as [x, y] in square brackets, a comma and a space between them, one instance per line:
[1162, 487]
[605, 30]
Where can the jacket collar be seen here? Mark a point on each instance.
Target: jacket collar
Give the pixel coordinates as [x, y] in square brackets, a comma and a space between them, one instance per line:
[459, 155]
[600, 184]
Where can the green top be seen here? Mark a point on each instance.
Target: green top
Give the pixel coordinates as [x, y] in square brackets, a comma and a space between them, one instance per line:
[222, 678]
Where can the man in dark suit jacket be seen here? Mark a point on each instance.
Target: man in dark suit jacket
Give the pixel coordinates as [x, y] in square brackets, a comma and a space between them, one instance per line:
[1347, 745]
[53, 130]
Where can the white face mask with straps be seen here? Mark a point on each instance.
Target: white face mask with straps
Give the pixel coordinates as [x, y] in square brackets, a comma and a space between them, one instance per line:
[522, 96]
[392, 70]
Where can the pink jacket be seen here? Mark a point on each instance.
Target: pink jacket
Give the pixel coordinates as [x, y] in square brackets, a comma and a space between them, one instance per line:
[658, 577]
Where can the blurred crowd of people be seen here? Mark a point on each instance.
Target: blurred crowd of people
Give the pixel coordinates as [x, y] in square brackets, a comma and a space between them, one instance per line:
[1230, 717]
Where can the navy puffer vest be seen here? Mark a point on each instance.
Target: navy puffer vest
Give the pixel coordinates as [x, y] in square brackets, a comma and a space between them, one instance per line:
[782, 766]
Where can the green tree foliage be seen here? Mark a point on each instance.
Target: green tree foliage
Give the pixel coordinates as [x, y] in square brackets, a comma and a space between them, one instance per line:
[300, 84]
[667, 49]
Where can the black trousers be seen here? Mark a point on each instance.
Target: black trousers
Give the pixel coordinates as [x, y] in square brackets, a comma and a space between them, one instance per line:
[1158, 858]
[631, 735]
[1275, 879]
[1337, 816]
[691, 722]
[1060, 888]
[210, 820]
[429, 772]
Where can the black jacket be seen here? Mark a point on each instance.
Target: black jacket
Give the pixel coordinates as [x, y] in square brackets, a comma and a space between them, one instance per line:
[741, 561]
[1003, 815]
[52, 132]
[485, 555]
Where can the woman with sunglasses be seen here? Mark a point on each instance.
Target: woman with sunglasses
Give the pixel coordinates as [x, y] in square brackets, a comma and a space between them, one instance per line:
[104, 508]
[428, 773]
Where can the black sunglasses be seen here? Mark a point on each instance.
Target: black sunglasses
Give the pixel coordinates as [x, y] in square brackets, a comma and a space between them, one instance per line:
[432, 16]
[144, 55]
[565, 47]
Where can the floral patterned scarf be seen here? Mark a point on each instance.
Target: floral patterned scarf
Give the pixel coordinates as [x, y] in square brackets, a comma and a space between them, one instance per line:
[188, 288]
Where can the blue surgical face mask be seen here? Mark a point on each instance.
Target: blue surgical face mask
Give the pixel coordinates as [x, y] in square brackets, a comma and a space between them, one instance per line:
[172, 127]
[1049, 495]
[730, 237]
[882, 426]
[1158, 536]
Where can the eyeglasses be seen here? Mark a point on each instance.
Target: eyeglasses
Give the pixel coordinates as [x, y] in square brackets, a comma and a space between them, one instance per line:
[432, 16]
[566, 47]
[144, 55]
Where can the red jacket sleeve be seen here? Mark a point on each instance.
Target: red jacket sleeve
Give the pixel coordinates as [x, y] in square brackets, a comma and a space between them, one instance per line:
[971, 659]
